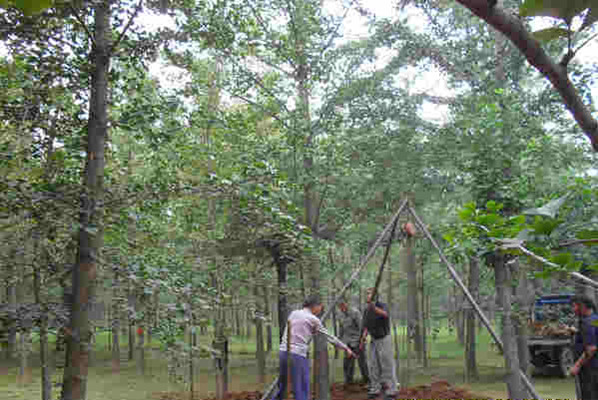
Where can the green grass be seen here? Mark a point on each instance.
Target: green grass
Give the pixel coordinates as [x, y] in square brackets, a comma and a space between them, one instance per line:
[447, 360]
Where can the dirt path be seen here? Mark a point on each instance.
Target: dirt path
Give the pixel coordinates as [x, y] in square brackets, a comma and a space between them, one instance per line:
[435, 390]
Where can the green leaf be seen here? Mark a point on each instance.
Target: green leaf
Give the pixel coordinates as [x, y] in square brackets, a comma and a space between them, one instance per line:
[493, 206]
[562, 9]
[543, 274]
[562, 259]
[544, 226]
[548, 34]
[465, 214]
[31, 7]
[587, 234]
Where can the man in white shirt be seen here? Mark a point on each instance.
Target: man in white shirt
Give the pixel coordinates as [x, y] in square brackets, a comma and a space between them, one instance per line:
[304, 324]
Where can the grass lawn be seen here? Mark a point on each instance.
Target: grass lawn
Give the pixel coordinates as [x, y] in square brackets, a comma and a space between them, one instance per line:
[446, 363]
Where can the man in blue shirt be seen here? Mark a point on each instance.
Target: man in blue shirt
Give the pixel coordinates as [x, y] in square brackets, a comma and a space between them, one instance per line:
[586, 340]
[381, 365]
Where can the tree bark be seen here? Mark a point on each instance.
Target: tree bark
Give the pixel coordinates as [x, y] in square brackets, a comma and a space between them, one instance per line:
[90, 233]
[281, 269]
[44, 353]
[520, 320]
[470, 345]
[512, 27]
[11, 294]
[131, 301]
[268, 316]
[421, 309]
[260, 353]
[141, 349]
[503, 279]
[115, 323]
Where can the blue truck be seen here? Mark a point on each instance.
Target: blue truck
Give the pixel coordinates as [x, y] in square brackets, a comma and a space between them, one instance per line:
[552, 348]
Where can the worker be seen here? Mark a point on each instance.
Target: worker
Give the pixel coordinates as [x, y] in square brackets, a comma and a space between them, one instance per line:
[586, 340]
[304, 324]
[350, 332]
[381, 363]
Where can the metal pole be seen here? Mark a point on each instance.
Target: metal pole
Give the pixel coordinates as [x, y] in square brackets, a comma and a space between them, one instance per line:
[354, 276]
[470, 298]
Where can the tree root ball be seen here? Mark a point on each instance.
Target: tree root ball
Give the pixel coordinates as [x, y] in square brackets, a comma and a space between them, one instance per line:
[410, 229]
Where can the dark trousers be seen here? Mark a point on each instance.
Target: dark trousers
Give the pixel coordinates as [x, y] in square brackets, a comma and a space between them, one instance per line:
[588, 379]
[299, 377]
[349, 365]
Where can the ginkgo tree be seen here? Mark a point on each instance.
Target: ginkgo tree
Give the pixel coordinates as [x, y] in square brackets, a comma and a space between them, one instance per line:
[514, 28]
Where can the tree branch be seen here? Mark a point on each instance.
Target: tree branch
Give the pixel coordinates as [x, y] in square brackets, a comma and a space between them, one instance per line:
[82, 23]
[515, 31]
[124, 31]
[575, 242]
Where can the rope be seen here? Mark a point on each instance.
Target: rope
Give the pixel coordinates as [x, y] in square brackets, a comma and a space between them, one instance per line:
[354, 276]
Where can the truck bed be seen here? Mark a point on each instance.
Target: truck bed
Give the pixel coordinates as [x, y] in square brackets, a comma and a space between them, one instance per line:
[549, 340]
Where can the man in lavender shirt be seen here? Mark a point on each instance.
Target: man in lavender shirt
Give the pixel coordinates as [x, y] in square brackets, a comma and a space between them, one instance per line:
[304, 324]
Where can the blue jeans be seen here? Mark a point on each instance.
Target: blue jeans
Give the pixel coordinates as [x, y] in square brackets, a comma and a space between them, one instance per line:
[299, 377]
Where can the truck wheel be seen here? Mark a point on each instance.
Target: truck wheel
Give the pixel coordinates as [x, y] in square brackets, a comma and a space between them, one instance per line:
[566, 361]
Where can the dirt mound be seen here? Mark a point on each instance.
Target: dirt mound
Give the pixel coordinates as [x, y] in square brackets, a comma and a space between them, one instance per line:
[196, 396]
[435, 390]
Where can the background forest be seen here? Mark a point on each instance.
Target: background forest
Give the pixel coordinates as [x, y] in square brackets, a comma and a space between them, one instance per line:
[177, 175]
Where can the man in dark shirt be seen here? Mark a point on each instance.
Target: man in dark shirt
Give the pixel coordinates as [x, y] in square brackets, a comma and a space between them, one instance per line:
[381, 368]
[586, 340]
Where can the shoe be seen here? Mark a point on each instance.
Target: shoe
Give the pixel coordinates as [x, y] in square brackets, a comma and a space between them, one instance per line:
[373, 393]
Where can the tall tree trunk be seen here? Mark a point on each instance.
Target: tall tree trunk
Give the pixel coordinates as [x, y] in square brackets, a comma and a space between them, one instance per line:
[90, 219]
[302, 281]
[24, 344]
[11, 295]
[115, 323]
[520, 320]
[421, 309]
[268, 316]
[260, 353]
[503, 280]
[220, 343]
[131, 301]
[470, 344]
[238, 327]
[141, 349]
[24, 349]
[43, 328]
[281, 269]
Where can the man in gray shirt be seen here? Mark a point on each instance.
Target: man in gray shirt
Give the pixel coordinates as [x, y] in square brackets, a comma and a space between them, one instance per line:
[350, 333]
